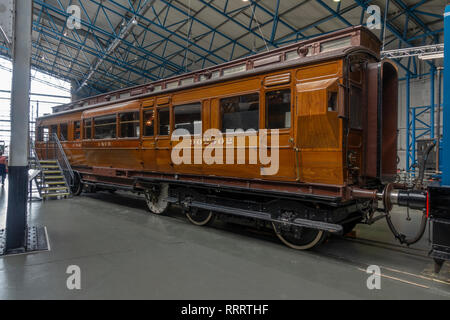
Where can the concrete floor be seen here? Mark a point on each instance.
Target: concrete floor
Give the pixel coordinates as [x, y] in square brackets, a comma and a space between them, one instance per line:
[126, 253]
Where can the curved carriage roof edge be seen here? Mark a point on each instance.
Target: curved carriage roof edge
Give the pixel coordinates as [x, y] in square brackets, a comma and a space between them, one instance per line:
[280, 66]
[76, 106]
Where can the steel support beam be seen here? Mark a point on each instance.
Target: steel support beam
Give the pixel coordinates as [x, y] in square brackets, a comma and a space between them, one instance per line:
[16, 222]
[446, 138]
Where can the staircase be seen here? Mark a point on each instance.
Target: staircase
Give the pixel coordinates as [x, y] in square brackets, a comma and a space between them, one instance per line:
[55, 173]
[51, 183]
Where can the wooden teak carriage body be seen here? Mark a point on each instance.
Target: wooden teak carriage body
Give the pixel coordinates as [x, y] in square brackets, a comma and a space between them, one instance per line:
[332, 101]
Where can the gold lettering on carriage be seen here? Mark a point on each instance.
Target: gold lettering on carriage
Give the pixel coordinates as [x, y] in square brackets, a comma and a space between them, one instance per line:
[249, 147]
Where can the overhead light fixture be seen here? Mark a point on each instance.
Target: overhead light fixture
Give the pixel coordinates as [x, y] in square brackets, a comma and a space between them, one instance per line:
[431, 56]
[337, 0]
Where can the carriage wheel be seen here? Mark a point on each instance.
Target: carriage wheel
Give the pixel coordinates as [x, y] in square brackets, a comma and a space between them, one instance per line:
[77, 187]
[157, 200]
[200, 217]
[298, 238]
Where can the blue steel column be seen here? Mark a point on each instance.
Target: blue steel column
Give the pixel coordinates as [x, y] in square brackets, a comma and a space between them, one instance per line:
[413, 142]
[432, 103]
[408, 122]
[446, 112]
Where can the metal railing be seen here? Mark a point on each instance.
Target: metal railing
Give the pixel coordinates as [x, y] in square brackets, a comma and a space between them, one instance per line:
[33, 154]
[62, 159]
[52, 150]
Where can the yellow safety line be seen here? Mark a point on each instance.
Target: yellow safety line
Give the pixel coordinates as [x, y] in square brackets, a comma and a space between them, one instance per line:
[401, 280]
[417, 275]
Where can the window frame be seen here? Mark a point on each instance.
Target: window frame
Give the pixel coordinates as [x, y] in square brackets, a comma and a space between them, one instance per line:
[240, 94]
[51, 129]
[74, 130]
[144, 110]
[292, 107]
[107, 124]
[200, 103]
[60, 125]
[90, 126]
[119, 124]
[158, 109]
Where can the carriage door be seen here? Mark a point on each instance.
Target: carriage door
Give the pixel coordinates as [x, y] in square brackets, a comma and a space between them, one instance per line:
[187, 136]
[278, 106]
[319, 132]
[148, 117]
[163, 131]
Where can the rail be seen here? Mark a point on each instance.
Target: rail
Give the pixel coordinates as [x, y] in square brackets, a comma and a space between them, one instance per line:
[60, 155]
[33, 153]
[52, 149]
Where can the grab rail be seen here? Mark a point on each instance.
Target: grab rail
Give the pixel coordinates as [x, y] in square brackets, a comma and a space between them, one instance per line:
[62, 159]
[33, 152]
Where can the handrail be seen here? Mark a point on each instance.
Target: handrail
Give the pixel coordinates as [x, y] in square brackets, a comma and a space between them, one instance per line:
[62, 159]
[41, 172]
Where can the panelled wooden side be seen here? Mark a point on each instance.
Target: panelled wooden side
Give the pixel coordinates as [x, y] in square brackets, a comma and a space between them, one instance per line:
[319, 131]
[310, 151]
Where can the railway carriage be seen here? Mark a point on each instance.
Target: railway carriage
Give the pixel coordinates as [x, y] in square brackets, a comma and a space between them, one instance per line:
[330, 100]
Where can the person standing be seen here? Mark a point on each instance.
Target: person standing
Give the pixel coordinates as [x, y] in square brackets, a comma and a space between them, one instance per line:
[3, 167]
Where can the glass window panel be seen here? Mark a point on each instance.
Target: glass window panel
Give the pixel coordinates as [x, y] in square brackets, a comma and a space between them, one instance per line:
[332, 101]
[53, 129]
[235, 69]
[172, 85]
[291, 55]
[187, 81]
[189, 117]
[76, 130]
[45, 134]
[105, 127]
[149, 123]
[88, 129]
[63, 132]
[336, 44]
[164, 121]
[129, 125]
[278, 109]
[241, 112]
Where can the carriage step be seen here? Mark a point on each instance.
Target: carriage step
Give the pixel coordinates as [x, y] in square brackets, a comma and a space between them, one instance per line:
[49, 166]
[56, 182]
[61, 194]
[48, 161]
[54, 188]
[53, 177]
[52, 171]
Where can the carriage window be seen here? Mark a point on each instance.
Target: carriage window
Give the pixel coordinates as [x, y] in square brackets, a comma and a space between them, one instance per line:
[45, 133]
[39, 135]
[278, 109]
[53, 129]
[149, 123]
[332, 101]
[63, 131]
[129, 125]
[164, 121]
[189, 117]
[240, 112]
[105, 127]
[76, 130]
[88, 129]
